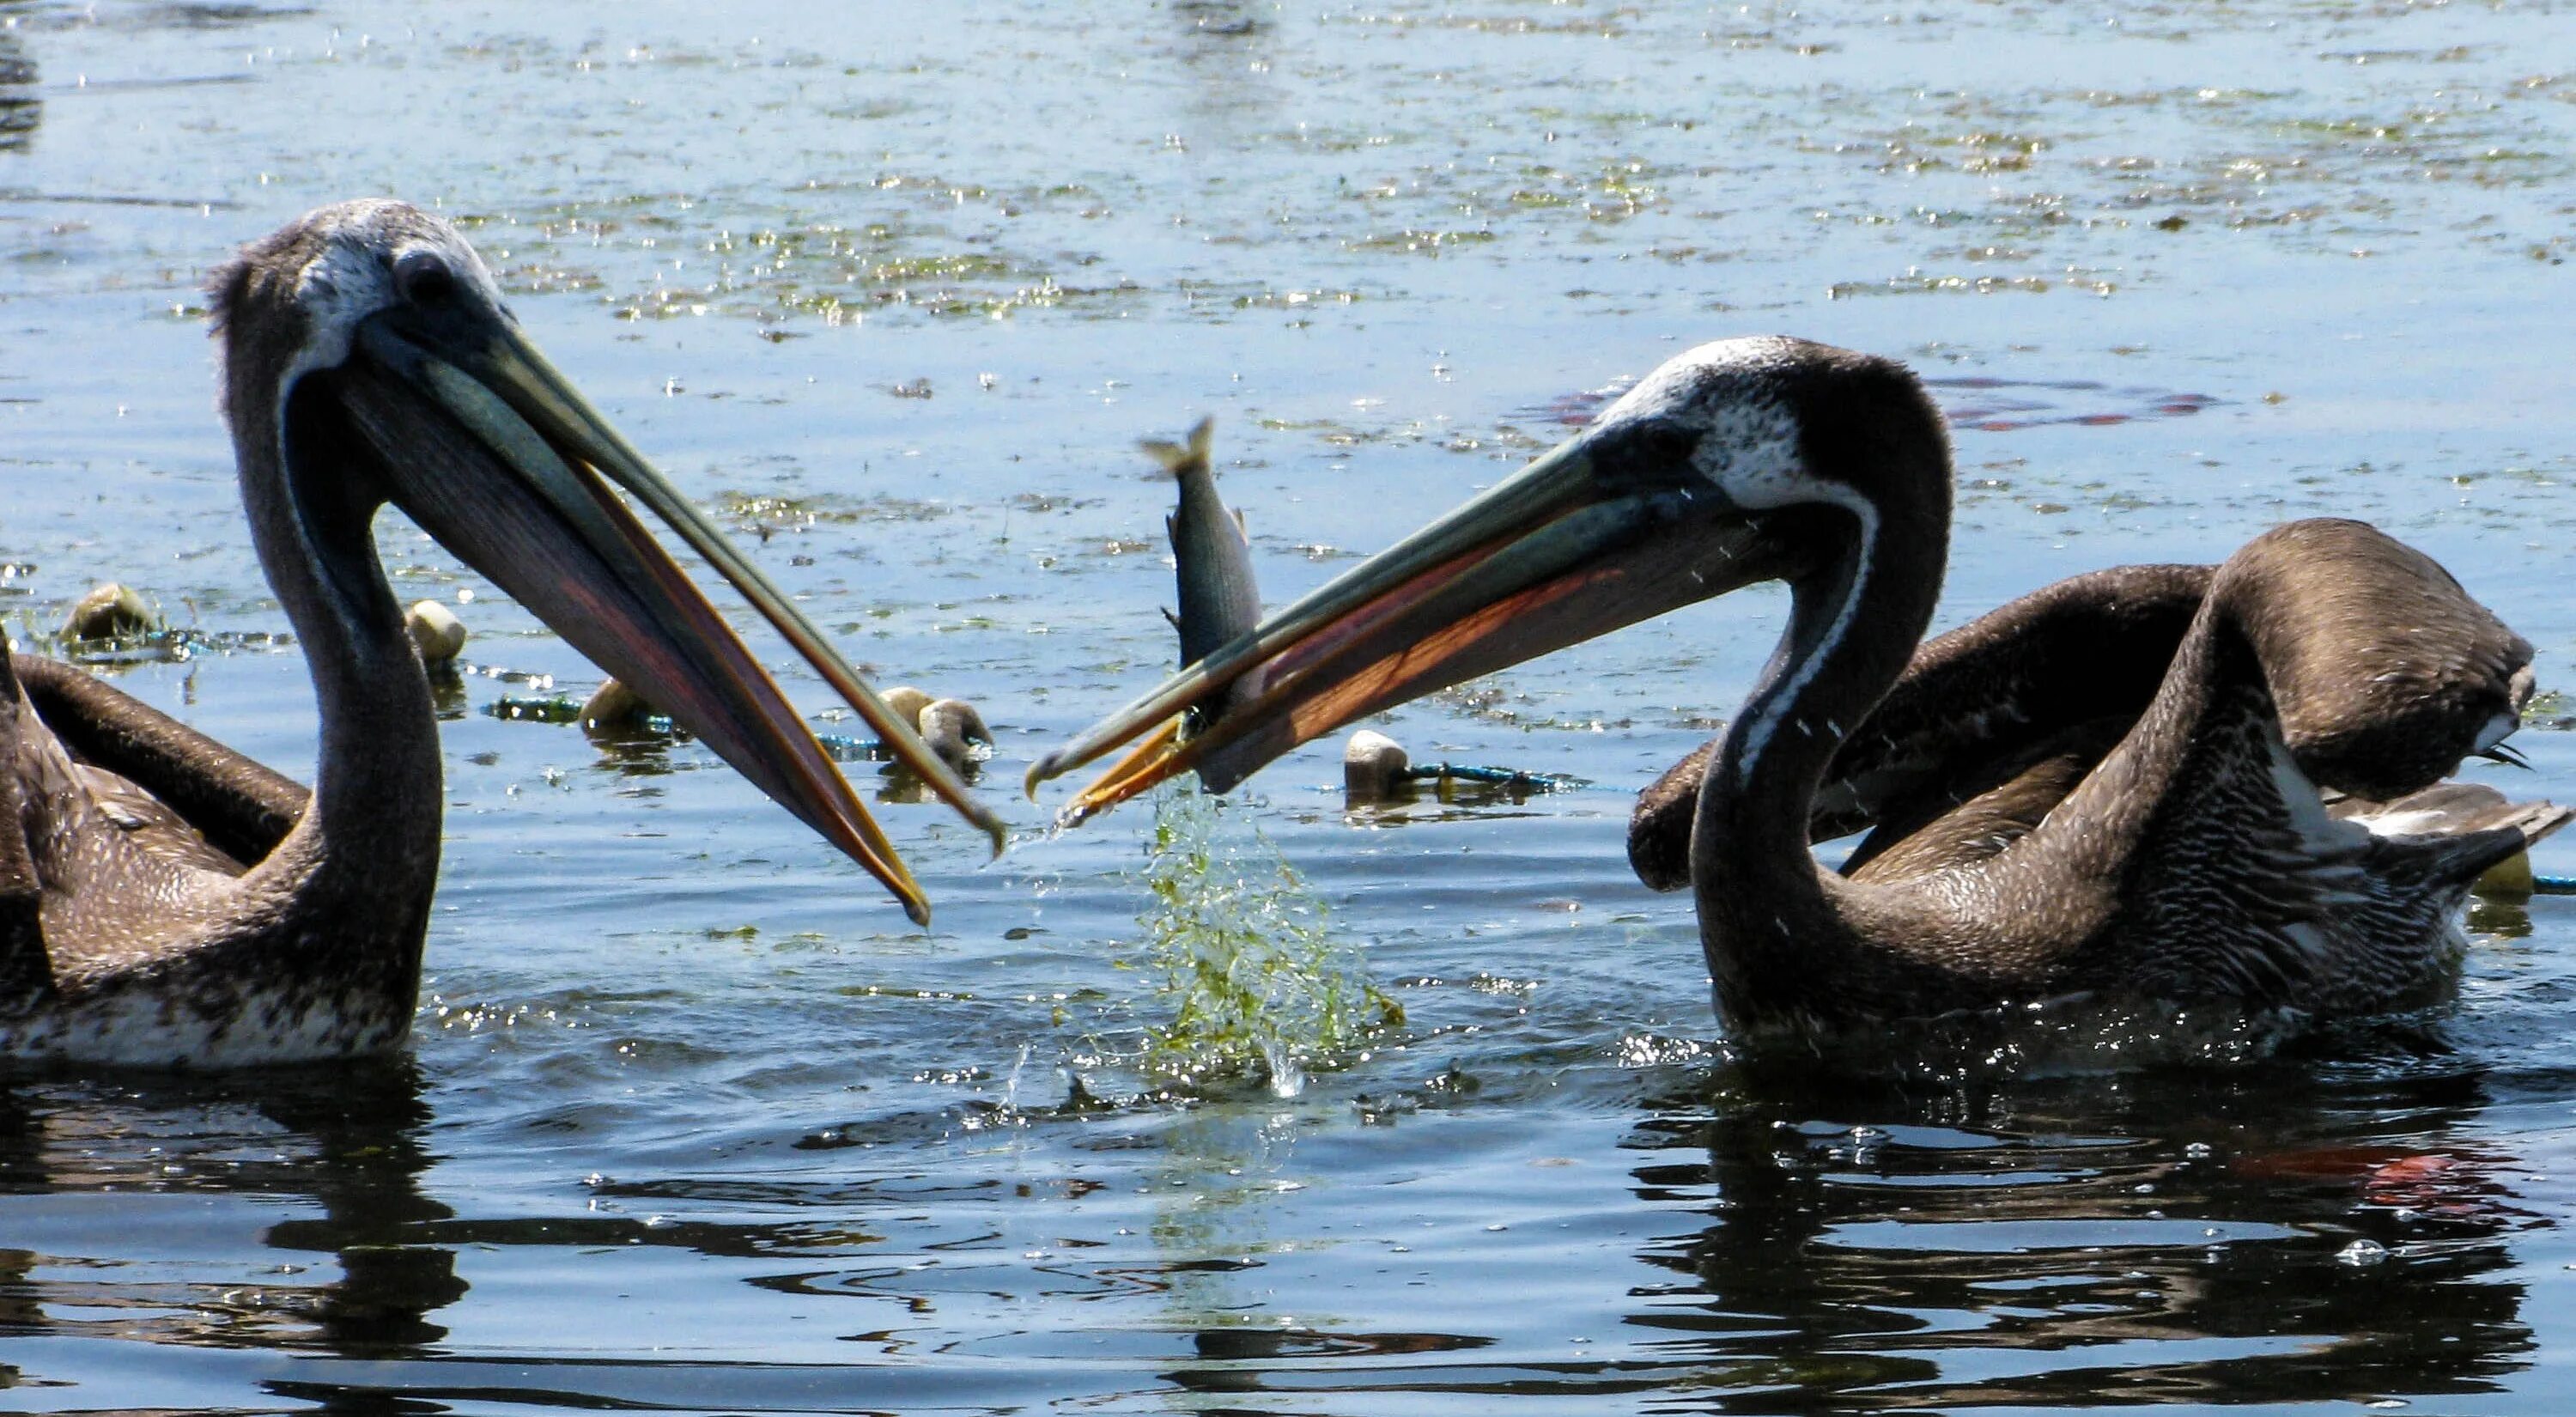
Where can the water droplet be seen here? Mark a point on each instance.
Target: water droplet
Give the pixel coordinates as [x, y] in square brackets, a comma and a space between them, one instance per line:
[2362, 1252]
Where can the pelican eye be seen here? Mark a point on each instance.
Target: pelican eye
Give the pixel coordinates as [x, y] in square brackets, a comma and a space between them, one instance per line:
[424, 278]
[1649, 450]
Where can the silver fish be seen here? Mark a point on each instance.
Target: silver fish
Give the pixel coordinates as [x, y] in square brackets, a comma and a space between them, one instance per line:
[1212, 566]
[1211, 553]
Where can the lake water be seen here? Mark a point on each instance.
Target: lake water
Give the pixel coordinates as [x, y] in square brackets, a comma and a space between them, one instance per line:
[695, 1122]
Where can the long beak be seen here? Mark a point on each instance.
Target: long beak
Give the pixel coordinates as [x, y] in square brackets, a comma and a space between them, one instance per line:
[516, 480]
[1575, 545]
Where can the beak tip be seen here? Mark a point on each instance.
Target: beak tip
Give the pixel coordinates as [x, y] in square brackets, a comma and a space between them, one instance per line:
[917, 911]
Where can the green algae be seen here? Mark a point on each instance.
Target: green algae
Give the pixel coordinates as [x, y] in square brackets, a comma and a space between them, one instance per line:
[1250, 980]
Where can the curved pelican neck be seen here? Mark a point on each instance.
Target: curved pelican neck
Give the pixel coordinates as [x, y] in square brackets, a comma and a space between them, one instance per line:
[371, 831]
[1767, 911]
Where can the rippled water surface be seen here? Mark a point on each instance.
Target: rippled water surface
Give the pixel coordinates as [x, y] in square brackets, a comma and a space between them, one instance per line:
[694, 1122]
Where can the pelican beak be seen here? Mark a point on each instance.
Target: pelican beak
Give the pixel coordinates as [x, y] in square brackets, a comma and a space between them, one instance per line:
[1608, 529]
[496, 456]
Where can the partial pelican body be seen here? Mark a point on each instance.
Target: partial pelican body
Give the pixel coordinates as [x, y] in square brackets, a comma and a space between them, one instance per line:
[2058, 830]
[165, 901]
[952, 727]
[1993, 723]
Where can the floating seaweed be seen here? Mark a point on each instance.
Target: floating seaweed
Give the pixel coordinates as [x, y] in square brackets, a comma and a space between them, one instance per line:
[1250, 980]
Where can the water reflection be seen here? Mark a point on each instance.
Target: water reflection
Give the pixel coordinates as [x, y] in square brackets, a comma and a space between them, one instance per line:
[1222, 19]
[2192, 1236]
[1443, 798]
[210, 1161]
[1226, 50]
[899, 784]
[448, 697]
[197, 15]
[20, 110]
[2185, 1235]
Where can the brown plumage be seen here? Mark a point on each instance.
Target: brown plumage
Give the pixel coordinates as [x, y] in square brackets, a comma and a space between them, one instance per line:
[2116, 787]
[1996, 721]
[1977, 707]
[164, 900]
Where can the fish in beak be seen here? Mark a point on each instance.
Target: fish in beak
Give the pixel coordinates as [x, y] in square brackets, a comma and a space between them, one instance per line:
[1211, 572]
[495, 455]
[1613, 527]
[1211, 553]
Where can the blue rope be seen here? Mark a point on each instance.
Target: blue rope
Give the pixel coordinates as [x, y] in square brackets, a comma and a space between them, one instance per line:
[551, 708]
[1504, 777]
[842, 748]
[563, 708]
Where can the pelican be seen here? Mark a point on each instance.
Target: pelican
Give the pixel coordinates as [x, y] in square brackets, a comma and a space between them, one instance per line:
[2061, 830]
[166, 901]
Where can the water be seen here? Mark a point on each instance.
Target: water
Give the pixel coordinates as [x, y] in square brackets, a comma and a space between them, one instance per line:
[694, 1122]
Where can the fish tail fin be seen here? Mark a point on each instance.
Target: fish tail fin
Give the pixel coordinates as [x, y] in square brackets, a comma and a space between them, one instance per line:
[1176, 457]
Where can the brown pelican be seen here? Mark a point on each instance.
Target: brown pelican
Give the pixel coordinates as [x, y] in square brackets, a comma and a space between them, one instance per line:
[2098, 837]
[164, 900]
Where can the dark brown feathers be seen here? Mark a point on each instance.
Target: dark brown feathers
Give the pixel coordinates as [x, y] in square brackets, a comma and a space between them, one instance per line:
[2385, 673]
[1976, 706]
[2114, 786]
[23, 966]
[242, 807]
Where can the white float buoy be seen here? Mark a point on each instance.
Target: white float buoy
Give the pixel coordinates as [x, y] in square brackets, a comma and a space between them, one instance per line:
[614, 710]
[435, 632]
[1372, 765]
[108, 612]
[2507, 882]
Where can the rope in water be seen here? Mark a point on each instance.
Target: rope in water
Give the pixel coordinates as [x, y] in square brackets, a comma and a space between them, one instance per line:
[527, 708]
[1501, 777]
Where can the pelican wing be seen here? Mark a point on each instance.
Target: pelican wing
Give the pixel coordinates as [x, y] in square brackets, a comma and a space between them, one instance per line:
[2383, 671]
[1963, 818]
[23, 967]
[2327, 656]
[1978, 708]
[241, 807]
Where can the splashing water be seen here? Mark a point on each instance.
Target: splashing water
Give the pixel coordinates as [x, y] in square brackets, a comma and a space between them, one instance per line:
[1248, 973]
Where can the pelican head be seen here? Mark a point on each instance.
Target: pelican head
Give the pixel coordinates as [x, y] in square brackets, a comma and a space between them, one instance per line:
[369, 358]
[1737, 462]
